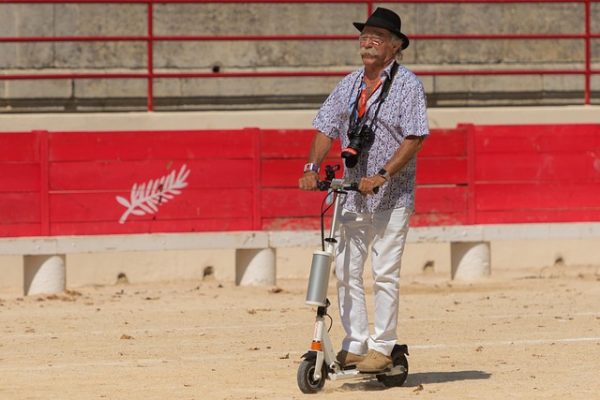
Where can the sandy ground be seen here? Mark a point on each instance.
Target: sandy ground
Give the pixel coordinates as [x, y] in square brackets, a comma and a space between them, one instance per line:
[526, 337]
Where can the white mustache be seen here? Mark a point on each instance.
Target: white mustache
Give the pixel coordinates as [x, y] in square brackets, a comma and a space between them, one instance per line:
[363, 51]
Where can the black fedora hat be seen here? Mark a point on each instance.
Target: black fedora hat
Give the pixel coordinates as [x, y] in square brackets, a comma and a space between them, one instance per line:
[386, 19]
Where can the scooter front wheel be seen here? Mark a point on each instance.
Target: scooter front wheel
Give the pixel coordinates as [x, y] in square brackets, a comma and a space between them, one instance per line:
[306, 381]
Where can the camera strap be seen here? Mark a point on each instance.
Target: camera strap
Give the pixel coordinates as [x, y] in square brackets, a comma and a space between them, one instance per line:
[384, 91]
[360, 121]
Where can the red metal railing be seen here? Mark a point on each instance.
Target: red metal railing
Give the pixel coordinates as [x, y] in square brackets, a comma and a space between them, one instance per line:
[150, 39]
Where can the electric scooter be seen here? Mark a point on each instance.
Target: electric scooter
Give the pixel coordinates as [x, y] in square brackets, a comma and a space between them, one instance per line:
[320, 362]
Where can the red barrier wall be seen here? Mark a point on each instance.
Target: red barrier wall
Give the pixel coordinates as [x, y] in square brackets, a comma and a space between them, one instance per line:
[81, 183]
[536, 173]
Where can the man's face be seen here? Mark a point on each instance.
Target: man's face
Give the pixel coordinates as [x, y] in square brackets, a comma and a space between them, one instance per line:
[376, 46]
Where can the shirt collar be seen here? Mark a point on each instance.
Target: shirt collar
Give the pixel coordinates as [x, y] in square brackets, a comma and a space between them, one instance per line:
[387, 71]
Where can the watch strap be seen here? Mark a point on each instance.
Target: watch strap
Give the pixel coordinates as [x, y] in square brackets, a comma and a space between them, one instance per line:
[384, 174]
[311, 167]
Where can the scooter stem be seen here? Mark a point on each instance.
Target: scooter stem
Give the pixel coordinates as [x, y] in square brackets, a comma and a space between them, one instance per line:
[330, 248]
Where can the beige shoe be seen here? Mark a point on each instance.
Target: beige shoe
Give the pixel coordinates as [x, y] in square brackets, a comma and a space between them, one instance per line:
[346, 358]
[374, 362]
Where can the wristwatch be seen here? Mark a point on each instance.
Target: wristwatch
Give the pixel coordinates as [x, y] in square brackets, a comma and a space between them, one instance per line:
[311, 167]
[383, 173]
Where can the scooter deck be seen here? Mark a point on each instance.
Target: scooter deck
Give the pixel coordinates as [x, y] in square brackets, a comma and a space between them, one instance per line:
[398, 369]
[353, 372]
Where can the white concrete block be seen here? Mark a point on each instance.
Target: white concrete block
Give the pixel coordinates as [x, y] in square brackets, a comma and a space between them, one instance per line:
[470, 260]
[255, 267]
[44, 274]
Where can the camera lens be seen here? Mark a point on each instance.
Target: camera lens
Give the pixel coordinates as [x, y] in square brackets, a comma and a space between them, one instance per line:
[350, 157]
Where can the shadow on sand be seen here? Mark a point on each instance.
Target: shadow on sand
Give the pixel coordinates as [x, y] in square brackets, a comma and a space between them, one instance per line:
[420, 378]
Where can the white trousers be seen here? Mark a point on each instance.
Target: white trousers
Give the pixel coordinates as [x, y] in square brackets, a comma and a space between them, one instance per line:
[385, 232]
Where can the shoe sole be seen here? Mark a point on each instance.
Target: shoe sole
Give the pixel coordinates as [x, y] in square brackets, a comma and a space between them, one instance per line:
[375, 371]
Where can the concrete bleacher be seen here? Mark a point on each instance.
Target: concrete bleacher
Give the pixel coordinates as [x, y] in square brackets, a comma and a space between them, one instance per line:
[272, 19]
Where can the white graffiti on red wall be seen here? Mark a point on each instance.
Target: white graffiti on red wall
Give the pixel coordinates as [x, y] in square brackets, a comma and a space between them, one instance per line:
[145, 198]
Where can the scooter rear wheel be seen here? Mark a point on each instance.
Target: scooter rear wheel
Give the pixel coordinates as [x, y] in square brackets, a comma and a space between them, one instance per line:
[306, 381]
[398, 359]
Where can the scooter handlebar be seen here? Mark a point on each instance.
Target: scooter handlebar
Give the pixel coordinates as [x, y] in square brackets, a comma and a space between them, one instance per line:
[340, 185]
[331, 182]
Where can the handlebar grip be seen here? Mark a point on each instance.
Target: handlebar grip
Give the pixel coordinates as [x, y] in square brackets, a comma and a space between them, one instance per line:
[325, 185]
[354, 187]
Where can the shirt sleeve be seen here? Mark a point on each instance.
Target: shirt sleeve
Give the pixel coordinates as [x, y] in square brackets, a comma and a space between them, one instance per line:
[329, 119]
[414, 118]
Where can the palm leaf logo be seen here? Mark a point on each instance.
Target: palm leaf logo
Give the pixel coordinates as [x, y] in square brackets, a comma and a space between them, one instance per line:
[146, 197]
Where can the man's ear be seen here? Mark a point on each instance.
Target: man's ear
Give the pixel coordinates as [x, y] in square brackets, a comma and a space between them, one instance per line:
[397, 45]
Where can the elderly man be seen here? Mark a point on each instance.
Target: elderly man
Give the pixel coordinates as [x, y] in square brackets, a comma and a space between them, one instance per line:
[379, 114]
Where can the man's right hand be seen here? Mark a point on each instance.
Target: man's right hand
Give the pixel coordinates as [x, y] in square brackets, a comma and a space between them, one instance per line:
[308, 181]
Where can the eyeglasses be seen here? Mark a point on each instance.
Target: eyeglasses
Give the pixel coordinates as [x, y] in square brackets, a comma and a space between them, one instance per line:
[373, 39]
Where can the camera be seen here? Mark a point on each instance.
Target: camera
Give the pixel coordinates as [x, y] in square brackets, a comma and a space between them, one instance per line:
[360, 138]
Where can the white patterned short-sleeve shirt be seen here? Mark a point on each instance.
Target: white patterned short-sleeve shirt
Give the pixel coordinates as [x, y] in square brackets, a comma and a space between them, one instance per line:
[402, 114]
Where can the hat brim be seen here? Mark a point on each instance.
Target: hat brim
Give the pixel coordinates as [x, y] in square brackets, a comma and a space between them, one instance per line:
[405, 41]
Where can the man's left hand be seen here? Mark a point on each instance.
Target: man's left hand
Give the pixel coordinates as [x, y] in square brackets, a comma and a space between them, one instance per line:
[369, 183]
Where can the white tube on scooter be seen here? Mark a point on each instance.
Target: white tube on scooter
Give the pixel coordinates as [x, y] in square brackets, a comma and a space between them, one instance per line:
[318, 280]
